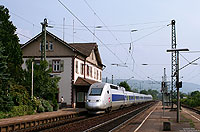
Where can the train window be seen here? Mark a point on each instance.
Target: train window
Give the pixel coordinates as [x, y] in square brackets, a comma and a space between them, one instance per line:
[108, 92]
[96, 91]
[113, 87]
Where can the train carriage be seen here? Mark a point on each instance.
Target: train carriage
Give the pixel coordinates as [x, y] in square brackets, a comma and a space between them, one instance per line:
[103, 97]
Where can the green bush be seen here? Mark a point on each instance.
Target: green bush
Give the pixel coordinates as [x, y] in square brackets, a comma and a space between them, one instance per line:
[3, 115]
[21, 110]
[40, 109]
[55, 105]
[47, 106]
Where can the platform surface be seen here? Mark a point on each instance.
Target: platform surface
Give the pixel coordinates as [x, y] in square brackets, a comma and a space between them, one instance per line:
[189, 121]
[64, 111]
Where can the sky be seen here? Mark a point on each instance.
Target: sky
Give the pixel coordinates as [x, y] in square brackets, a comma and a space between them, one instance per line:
[112, 21]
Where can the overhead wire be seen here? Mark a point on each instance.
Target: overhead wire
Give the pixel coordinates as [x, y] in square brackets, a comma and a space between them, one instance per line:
[116, 37]
[89, 30]
[22, 18]
[23, 35]
[104, 24]
[149, 34]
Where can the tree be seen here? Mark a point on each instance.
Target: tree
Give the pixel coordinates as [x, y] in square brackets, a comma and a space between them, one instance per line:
[45, 87]
[10, 42]
[135, 90]
[154, 93]
[6, 102]
[125, 85]
[143, 92]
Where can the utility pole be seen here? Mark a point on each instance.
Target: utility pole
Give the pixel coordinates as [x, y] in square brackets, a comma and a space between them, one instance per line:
[43, 48]
[178, 84]
[173, 62]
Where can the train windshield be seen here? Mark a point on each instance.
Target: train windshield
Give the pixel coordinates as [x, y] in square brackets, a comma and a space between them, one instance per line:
[96, 91]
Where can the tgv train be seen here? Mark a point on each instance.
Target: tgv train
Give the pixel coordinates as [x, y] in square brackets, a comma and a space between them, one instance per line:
[104, 97]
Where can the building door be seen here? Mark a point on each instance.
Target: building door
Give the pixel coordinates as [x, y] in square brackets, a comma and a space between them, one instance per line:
[81, 98]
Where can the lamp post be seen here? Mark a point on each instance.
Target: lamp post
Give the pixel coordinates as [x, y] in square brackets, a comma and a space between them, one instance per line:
[121, 65]
[178, 84]
[133, 30]
[96, 27]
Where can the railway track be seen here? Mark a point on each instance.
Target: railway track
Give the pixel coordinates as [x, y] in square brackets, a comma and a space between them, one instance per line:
[78, 122]
[193, 109]
[117, 122]
[104, 122]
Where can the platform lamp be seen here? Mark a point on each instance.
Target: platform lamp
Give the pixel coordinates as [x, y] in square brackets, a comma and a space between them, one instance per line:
[178, 84]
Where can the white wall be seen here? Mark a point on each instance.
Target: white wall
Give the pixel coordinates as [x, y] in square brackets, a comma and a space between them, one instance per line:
[79, 71]
[65, 81]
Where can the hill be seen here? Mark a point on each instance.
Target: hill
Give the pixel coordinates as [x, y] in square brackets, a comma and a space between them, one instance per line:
[148, 84]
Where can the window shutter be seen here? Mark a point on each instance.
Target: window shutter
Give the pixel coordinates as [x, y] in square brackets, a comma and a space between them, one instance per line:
[62, 65]
[50, 64]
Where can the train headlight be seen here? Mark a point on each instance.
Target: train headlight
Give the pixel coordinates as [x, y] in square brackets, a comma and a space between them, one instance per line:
[98, 100]
[88, 100]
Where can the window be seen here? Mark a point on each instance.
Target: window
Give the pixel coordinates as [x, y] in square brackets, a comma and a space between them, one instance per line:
[77, 67]
[37, 62]
[40, 46]
[88, 70]
[50, 46]
[113, 87]
[80, 97]
[56, 66]
[97, 74]
[47, 46]
[100, 75]
[82, 68]
[96, 91]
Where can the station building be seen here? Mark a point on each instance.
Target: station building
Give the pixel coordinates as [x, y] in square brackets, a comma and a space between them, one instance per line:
[79, 65]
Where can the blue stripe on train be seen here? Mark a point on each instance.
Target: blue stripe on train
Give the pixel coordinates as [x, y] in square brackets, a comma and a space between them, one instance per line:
[116, 97]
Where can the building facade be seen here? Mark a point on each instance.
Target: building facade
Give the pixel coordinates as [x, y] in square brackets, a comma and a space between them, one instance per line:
[79, 65]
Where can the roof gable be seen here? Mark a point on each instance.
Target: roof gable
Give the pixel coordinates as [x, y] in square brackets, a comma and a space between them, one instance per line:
[50, 34]
[86, 49]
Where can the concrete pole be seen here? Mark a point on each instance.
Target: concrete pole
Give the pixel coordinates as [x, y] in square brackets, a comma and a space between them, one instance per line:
[32, 81]
[177, 86]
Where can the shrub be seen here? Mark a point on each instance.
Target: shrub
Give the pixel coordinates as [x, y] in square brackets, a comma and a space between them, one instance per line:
[55, 105]
[47, 106]
[40, 109]
[21, 110]
[3, 115]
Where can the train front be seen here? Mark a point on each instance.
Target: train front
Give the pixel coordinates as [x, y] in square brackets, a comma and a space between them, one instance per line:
[95, 102]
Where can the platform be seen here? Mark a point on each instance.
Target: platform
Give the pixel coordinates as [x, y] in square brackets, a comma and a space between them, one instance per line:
[6, 124]
[189, 121]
